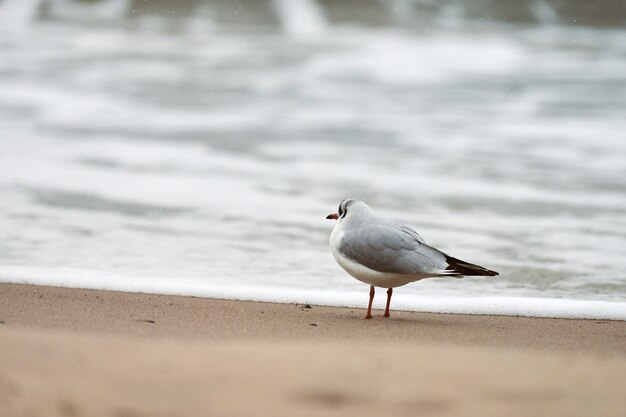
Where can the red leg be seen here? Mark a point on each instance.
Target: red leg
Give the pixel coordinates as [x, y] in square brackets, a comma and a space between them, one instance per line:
[369, 307]
[389, 292]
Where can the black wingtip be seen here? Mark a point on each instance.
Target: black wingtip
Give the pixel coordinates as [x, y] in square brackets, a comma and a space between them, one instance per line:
[459, 267]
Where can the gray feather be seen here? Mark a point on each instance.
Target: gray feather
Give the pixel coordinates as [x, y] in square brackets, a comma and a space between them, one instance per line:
[389, 247]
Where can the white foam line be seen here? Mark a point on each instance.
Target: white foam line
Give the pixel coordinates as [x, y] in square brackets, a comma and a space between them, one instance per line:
[500, 306]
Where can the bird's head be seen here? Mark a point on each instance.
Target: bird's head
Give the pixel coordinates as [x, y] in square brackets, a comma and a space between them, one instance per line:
[349, 205]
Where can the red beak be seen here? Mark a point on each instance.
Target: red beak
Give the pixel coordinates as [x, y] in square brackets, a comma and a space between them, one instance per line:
[332, 216]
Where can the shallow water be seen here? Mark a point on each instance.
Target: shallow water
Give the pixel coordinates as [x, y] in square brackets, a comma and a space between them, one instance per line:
[187, 149]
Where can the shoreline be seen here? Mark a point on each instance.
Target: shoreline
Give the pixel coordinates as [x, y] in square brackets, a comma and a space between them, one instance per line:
[153, 315]
[74, 352]
[512, 306]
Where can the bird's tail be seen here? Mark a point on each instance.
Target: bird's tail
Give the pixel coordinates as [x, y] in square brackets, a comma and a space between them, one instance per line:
[459, 267]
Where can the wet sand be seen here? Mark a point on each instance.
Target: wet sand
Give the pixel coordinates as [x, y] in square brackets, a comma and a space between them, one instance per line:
[73, 352]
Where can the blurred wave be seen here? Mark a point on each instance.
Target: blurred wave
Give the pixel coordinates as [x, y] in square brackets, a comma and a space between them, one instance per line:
[313, 15]
[205, 141]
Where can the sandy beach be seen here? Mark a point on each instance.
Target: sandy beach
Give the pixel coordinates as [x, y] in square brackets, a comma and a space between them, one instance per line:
[73, 352]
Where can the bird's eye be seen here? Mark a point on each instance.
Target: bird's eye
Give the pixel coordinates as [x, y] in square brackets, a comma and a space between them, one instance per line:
[343, 209]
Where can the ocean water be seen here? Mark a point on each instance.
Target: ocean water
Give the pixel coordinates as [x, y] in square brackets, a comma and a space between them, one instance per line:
[196, 147]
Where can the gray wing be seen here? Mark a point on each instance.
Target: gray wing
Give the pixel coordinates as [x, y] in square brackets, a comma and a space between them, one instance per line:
[390, 247]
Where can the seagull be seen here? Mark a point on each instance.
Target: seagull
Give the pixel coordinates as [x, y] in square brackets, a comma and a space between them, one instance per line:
[386, 254]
